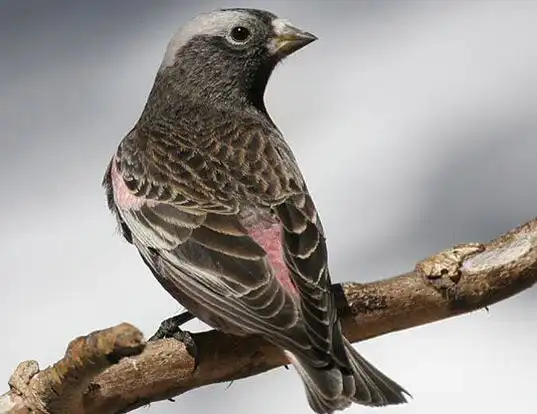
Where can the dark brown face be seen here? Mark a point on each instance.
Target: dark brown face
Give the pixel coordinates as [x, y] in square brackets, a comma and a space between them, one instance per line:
[263, 33]
[230, 52]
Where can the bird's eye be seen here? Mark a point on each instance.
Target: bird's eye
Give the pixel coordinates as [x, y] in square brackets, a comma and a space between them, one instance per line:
[240, 34]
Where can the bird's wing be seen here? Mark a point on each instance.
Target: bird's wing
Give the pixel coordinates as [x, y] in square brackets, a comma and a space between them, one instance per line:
[194, 242]
[306, 256]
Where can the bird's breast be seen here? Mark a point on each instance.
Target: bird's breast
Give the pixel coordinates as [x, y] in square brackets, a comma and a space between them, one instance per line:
[123, 197]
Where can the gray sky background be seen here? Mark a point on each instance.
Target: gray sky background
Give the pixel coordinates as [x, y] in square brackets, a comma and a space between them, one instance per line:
[414, 123]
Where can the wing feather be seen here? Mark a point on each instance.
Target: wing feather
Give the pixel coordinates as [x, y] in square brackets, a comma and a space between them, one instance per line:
[185, 223]
[306, 256]
[210, 260]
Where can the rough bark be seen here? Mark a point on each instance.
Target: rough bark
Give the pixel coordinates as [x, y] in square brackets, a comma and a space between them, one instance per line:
[115, 371]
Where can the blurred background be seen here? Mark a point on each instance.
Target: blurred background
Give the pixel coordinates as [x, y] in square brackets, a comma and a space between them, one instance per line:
[415, 124]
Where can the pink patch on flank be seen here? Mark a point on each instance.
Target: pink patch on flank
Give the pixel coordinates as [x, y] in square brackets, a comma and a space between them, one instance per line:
[122, 195]
[269, 237]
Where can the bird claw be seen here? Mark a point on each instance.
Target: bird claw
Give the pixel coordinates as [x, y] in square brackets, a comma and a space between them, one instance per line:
[171, 328]
[188, 341]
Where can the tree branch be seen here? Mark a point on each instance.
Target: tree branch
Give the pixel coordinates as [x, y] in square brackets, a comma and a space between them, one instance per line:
[111, 371]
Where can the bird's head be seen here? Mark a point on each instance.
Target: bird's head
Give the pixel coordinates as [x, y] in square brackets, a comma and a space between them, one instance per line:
[228, 55]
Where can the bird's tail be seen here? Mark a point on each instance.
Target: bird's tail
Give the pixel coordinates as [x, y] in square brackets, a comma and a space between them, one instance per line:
[335, 388]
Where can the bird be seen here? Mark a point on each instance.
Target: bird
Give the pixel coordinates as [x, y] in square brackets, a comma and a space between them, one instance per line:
[209, 192]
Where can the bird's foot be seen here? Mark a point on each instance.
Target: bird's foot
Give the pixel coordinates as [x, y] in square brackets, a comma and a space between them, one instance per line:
[171, 328]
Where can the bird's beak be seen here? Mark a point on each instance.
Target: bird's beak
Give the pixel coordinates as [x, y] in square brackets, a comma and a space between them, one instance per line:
[287, 38]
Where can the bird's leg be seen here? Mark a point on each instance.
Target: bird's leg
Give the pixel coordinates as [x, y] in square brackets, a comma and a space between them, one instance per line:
[171, 328]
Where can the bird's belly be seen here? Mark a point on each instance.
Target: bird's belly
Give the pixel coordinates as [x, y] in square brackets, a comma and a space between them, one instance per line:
[200, 311]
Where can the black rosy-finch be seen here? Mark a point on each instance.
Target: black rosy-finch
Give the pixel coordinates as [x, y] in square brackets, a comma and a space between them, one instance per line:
[209, 192]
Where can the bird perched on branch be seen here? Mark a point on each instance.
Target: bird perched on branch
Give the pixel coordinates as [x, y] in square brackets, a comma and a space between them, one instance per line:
[209, 192]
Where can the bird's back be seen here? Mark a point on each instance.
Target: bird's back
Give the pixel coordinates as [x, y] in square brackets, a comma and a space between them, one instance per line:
[230, 154]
